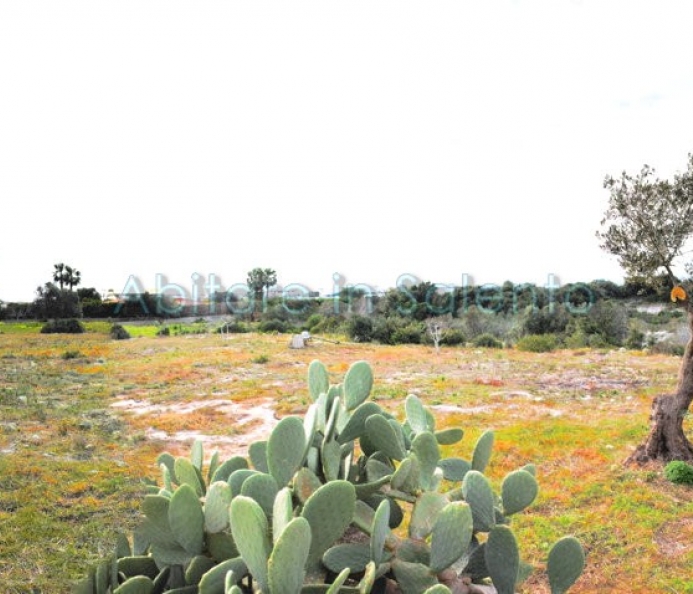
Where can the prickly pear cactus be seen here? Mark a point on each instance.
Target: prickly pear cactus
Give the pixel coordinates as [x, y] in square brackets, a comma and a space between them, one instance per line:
[316, 505]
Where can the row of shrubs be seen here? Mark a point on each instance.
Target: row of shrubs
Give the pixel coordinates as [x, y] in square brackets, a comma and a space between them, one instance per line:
[607, 324]
[74, 326]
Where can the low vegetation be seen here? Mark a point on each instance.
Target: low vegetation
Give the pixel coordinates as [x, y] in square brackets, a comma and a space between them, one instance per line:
[80, 435]
[323, 498]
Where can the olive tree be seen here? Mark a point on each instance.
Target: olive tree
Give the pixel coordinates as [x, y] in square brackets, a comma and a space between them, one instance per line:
[647, 226]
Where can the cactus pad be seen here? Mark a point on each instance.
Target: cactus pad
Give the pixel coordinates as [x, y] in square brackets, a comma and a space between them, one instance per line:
[318, 379]
[286, 563]
[358, 382]
[482, 451]
[452, 533]
[565, 564]
[329, 511]
[187, 520]
[478, 493]
[502, 559]
[217, 507]
[250, 531]
[518, 491]
[286, 449]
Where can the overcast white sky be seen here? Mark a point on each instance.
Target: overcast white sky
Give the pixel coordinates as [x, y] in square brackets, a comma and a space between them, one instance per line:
[365, 138]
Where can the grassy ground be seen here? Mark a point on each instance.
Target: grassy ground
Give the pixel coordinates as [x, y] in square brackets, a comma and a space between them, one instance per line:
[72, 464]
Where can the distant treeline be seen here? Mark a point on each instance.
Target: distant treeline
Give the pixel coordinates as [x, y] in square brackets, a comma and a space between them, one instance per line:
[595, 314]
[417, 301]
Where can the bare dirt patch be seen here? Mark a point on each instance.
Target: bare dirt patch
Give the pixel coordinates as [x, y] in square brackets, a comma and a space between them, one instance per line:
[250, 420]
[675, 537]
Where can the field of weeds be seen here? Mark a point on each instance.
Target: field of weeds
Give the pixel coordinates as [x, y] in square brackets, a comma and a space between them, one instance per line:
[83, 418]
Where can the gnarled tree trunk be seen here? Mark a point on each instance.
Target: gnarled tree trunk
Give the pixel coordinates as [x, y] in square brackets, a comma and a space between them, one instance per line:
[667, 440]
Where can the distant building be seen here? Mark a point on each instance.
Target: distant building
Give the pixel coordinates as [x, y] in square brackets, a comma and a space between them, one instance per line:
[111, 297]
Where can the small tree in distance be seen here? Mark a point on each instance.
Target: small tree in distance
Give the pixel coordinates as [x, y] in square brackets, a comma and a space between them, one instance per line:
[647, 225]
[66, 276]
[259, 282]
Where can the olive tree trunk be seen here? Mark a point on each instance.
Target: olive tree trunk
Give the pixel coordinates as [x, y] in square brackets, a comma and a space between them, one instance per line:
[667, 440]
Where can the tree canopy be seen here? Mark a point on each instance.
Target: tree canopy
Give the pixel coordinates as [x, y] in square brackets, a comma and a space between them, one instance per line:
[65, 275]
[648, 221]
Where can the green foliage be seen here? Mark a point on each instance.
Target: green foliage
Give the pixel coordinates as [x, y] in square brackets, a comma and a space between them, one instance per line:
[54, 302]
[323, 498]
[117, 332]
[360, 328]
[606, 321]
[546, 320]
[411, 333]
[67, 326]
[487, 341]
[65, 275]
[233, 327]
[323, 324]
[274, 326]
[635, 339]
[537, 343]
[679, 472]
[397, 329]
[259, 281]
[648, 220]
[453, 337]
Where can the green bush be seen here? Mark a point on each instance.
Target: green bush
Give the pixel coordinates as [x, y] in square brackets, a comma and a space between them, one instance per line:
[537, 343]
[119, 333]
[384, 328]
[577, 340]
[71, 355]
[163, 331]
[398, 330]
[607, 320]
[452, 337]
[274, 326]
[597, 341]
[411, 333]
[68, 326]
[360, 328]
[233, 327]
[321, 501]
[546, 321]
[313, 321]
[326, 324]
[679, 472]
[487, 341]
[635, 339]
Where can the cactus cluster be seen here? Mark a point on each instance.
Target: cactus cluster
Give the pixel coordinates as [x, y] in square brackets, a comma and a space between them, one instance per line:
[319, 506]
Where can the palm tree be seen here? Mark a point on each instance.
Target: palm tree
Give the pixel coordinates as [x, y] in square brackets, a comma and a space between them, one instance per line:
[59, 274]
[66, 275]
[269, 281]
[73, 277]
